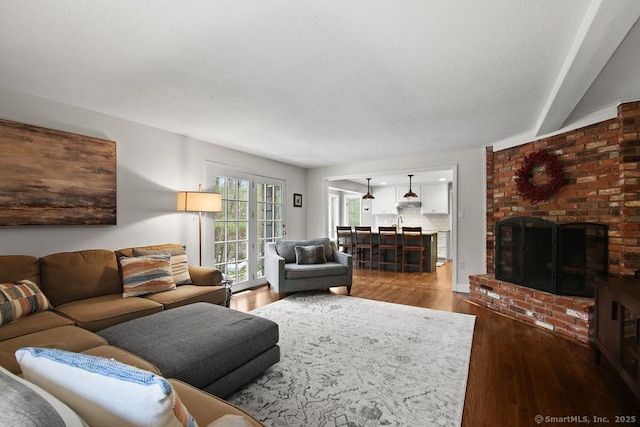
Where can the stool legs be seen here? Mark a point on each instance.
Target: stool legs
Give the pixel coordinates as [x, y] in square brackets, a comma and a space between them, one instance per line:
[361, 253]
[382, 253]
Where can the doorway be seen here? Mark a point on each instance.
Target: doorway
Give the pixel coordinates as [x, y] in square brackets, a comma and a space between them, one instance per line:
[387, 185]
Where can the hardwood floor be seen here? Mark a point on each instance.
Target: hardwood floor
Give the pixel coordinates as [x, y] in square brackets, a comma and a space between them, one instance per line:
[516, 372]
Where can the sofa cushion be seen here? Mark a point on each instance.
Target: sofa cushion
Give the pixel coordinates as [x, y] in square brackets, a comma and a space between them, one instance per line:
[104, 311]
[286, 248]
[25, 404]
[69, 338]
[33, 323]
[102, 391]
[310, 254]
[179, 262]
[305, 271]
[205, 275]
[148, 274]
[19, 299]
[73, 276]
[19, 267]
[188, 294]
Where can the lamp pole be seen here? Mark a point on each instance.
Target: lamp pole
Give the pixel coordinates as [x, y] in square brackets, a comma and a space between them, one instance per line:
[191, 201]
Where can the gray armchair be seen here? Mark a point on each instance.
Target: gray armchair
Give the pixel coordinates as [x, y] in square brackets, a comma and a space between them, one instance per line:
[287, 275]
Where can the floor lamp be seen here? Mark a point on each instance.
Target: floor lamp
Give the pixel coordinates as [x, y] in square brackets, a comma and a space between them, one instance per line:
[198, 201]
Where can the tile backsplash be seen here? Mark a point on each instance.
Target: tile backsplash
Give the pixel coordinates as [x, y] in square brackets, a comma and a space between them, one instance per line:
[411, 217]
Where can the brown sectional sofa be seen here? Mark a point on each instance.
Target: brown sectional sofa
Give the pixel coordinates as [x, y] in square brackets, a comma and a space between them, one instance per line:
[85, 289]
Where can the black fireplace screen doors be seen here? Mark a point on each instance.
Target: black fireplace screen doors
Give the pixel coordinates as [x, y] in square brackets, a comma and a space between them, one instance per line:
[563, 259]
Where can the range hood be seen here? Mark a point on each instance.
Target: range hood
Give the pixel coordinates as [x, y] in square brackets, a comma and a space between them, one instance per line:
[402, 205]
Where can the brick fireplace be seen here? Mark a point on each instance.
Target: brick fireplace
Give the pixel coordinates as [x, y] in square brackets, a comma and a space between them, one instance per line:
[565, 315]
[601, 164]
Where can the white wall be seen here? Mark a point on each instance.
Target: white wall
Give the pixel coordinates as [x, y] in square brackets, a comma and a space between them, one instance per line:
[469, 200]
[152, 165]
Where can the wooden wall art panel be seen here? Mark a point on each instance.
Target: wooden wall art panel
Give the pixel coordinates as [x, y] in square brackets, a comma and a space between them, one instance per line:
[49, 177]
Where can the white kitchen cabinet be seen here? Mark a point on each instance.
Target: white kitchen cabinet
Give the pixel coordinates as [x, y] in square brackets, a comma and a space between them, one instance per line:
[443, 245]
[385, 200]
[401, 190]
[435, 199]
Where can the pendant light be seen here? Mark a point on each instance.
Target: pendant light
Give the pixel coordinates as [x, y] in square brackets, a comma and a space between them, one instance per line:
[410, 193]
[368, 195]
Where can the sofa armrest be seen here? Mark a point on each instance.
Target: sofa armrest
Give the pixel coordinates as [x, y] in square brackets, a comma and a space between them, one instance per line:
[205, 407]
[205, 276]
[273, 266]
[346, 260]
[343, 258]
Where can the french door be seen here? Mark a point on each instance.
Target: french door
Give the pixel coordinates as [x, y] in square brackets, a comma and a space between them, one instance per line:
[252, 215]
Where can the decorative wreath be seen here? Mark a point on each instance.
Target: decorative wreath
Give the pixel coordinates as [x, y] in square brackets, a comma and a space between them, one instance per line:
[538, 193]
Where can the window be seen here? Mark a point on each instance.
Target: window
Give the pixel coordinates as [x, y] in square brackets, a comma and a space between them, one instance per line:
[352, 211]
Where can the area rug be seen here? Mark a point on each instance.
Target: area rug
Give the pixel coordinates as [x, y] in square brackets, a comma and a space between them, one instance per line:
[352, 362]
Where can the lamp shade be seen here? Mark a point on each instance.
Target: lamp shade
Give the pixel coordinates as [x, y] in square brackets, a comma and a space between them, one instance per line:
[195, 201]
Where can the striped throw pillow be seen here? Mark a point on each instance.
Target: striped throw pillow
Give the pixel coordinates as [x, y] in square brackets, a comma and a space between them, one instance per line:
[19, 299]
[179, 263]
[146, 274]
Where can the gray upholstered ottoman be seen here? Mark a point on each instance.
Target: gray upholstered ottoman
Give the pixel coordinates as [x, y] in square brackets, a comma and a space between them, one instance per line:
[214, 348]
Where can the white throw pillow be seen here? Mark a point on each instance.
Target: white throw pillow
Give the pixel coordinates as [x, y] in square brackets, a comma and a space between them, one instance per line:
[102, 391]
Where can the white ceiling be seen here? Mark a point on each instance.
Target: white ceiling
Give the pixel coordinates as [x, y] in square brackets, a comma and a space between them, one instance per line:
[322, 82]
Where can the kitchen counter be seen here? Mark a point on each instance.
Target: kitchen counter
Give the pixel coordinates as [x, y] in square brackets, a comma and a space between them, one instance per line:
[429, 240]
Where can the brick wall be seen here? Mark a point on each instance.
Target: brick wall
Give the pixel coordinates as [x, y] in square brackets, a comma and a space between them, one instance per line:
[601, 164]
[602, 184]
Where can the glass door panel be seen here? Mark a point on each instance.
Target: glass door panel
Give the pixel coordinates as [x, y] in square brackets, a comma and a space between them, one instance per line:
[270, 223]
[230, 237]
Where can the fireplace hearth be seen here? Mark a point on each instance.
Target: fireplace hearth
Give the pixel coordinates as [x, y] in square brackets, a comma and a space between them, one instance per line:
[562, 259]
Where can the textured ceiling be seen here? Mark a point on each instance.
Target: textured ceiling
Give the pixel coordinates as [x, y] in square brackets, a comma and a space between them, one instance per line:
[315, 83]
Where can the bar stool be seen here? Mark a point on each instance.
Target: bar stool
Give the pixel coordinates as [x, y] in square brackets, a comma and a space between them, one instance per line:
[388, 242]
[364, 243]
[345, 238]
[412, 243]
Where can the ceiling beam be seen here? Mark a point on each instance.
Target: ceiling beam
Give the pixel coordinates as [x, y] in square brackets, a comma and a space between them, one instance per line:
[604, 27]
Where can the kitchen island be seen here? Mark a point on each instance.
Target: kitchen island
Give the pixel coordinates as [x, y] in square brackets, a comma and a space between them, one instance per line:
[429, 240]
